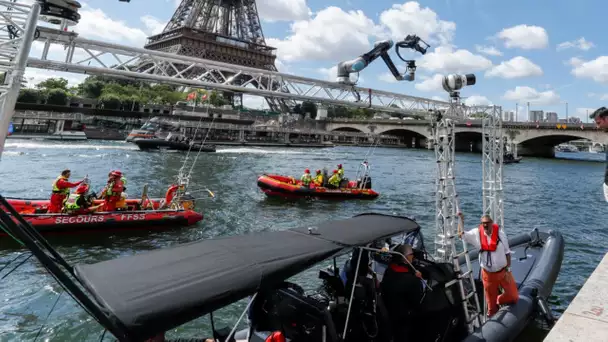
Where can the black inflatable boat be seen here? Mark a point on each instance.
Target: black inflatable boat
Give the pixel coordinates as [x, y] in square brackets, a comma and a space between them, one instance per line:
[162, 144]
[142, 296]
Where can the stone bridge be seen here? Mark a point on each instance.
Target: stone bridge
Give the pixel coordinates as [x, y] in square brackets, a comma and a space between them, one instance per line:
[532, 139]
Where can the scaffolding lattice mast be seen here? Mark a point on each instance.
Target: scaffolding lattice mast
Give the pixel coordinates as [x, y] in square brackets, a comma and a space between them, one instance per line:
[493, 145]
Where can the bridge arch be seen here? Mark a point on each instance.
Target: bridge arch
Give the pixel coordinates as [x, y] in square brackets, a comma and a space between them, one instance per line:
[544, 146]
[407, 137]
[347, 129]
[468, 141]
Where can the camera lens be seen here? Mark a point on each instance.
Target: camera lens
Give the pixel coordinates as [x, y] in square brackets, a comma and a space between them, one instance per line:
[470, 79]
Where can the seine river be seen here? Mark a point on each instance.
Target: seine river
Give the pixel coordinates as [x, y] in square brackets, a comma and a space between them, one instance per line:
[539, 193]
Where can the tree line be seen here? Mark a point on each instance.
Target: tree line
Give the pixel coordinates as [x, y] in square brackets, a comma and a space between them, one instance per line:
[129, 95]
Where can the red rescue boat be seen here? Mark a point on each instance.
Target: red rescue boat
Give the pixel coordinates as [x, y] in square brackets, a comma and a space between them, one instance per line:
[134, 216]
[288, 187]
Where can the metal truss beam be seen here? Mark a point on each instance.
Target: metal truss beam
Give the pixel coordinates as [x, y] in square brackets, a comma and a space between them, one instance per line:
[19, 21]
[493, 145]
[100, 58]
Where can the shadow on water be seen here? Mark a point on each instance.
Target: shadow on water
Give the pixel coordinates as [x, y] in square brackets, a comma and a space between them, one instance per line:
[539, 193]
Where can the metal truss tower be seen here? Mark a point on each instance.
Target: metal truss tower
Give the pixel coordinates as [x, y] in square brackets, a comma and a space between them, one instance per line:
[493, 145]
[226, 31]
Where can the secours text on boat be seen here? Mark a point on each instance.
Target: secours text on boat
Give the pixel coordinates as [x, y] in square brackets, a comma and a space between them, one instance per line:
[141, 213]
[142, 296]
[288, 187]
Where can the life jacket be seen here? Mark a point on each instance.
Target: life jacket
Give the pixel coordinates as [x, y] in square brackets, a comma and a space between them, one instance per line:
[319, 179]
[334, 180]
[115, 188]
[493, 240]
[56, 190]
[306, 178]
[399, 268]
[341, 173]
[71, 204]
[276, 336]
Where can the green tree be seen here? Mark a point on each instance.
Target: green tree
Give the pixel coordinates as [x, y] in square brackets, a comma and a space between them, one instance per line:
[57, 97]
[53, 83]
[309, 107]
[28, 95]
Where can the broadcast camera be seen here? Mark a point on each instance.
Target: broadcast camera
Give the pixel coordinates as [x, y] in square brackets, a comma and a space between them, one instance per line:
[453, 83]
[55, 11]
[413, 42]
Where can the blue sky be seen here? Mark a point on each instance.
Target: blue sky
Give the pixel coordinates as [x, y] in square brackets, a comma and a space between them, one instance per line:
[544, 52]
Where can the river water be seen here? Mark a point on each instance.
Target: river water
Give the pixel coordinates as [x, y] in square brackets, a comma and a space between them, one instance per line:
[539, 193]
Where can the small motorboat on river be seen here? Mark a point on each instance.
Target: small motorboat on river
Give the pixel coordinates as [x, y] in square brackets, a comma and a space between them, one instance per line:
[288, 187]
[171, 145]
[142, 296]
[142, 213]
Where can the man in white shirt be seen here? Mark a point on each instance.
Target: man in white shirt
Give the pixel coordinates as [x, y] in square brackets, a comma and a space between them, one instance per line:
[495, 262]
[600, 117]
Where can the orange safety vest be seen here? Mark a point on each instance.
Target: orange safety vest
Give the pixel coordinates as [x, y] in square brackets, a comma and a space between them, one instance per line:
[484, 240]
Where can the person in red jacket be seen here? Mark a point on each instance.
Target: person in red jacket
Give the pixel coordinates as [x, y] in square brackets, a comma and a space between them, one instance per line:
[113, 191]
[61, 191]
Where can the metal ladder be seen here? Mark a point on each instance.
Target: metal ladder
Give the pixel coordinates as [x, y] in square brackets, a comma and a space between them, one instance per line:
[447, 217]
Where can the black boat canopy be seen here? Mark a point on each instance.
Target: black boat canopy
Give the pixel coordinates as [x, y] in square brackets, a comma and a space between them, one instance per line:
[156, 291]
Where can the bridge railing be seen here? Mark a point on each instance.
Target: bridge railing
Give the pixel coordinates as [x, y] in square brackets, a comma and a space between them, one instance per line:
[471, 123]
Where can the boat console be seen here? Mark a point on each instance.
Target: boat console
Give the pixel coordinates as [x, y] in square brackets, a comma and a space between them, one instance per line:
[321, 315]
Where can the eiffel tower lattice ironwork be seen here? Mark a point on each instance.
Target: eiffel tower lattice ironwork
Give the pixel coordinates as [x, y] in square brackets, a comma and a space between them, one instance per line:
[221, 30]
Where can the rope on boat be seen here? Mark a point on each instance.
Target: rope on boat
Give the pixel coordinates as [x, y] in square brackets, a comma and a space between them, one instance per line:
[16, 267]
[47, 316]
[185, 180]
[4, 229]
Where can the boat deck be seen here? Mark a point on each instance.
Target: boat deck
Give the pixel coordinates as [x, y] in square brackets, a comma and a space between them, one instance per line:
[586, 319]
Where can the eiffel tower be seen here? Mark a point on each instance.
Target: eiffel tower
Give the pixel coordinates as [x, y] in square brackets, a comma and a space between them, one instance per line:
[221, 30]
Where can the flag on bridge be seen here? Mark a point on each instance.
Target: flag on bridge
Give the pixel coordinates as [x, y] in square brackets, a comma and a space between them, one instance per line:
[194, 96]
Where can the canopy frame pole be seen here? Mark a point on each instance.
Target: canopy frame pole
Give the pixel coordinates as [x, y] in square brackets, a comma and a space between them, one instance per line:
[352, 294]
[241, 317]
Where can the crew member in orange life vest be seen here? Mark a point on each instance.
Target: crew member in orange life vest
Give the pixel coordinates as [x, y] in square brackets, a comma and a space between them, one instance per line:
[61, 191]
[495, 261]
[113, 191]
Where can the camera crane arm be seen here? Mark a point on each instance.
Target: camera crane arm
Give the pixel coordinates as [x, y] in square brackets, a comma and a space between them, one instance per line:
[381, 49]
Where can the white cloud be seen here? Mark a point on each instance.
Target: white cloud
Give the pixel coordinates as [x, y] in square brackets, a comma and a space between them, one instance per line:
[583, 113]
[410, 18]
[332, 34]
[527, 94]
[431, 84]
[574, 61]
[488, 50]
[34, 76]
[283, 10]
[446, 59]
[387, 77]
[517, 67]
[95, 23]
[596, 69]
[153, 24]
[439, 98]
[524, 37]
[581, 44]
[477, 100]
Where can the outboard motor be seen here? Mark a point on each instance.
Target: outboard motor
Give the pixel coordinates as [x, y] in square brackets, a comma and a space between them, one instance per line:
[365, 183]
